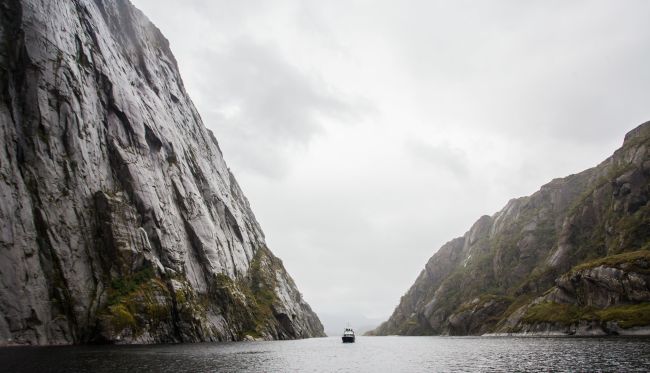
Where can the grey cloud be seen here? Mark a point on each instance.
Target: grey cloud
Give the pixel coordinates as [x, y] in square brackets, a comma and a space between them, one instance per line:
[441, 156]
[260, 103]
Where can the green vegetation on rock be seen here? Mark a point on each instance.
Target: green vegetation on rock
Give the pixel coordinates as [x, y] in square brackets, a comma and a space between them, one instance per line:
[137, 302]
[625, 316]
[551, 312]
[122, 286]
[638, 261]
[249, 301]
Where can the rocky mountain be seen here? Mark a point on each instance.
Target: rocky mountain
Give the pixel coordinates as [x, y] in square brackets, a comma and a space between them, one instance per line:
[119, 219]
[572, 258]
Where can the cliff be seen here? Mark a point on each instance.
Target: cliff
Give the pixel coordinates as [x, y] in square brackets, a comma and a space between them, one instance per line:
[119, 219]
[572, 258]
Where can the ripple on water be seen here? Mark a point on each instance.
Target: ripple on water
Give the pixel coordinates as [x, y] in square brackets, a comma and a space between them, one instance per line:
[369, 354]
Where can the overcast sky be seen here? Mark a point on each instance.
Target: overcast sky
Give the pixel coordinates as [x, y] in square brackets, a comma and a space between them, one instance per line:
[366, 134]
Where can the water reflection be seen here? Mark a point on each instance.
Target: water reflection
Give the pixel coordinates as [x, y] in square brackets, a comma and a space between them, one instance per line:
[369, 354]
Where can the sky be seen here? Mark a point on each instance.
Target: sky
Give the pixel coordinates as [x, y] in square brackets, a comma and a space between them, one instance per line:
[366, 134]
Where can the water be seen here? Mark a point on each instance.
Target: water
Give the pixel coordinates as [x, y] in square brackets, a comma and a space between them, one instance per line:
[369, 354]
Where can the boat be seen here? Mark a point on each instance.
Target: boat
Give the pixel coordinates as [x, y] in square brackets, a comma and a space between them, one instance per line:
[348, 335]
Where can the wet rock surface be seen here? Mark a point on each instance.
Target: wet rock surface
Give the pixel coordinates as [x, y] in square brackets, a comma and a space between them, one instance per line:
[532, 255]
[119, 219]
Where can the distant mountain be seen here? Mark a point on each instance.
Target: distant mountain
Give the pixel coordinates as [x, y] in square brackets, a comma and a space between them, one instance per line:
[573, 258]
[119, 218]
[335, 323]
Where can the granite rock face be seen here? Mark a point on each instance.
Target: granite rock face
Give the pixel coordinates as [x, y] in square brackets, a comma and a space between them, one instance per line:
[119, 219]
[511, 271]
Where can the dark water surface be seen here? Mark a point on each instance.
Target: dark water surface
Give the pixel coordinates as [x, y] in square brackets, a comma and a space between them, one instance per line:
[369, 354]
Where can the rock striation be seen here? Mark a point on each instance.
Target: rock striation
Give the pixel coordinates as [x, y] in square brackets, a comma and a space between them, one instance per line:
[119, 219]
[572, 258]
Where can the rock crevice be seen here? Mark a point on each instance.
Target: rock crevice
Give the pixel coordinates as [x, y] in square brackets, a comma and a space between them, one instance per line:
[118, 214]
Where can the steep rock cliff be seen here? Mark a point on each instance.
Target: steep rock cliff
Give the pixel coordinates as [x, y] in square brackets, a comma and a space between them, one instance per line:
[119, 219]
[514, 271]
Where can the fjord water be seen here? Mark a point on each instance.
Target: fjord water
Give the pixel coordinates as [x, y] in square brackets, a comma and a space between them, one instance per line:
[369, 354]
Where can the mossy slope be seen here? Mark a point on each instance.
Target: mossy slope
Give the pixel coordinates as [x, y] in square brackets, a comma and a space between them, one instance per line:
[600, 216]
